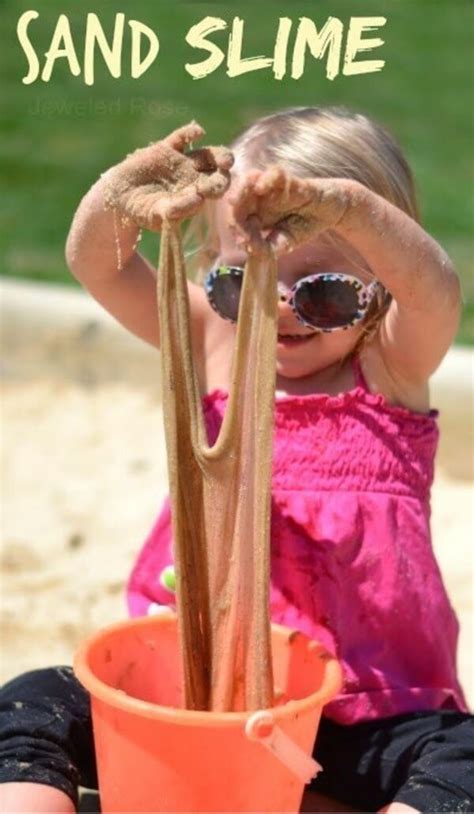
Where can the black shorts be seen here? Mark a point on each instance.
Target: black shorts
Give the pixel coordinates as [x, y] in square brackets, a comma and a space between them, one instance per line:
[423, 759]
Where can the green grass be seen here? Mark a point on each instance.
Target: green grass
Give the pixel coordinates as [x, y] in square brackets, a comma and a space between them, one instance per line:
[59, 136]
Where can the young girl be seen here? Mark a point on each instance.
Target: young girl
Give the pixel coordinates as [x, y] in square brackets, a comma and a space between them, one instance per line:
[369, 304]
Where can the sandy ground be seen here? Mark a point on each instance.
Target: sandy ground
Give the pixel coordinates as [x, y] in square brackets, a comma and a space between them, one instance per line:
[84, 474]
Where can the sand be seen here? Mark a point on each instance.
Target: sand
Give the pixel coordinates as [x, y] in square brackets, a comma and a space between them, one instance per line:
[84, 475]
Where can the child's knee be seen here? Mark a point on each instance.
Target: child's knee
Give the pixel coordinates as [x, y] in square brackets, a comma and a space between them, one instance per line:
[38, 683]
[34, 797]
[45, 721]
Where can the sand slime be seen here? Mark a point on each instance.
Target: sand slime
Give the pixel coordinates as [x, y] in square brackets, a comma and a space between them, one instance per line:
[220, 495]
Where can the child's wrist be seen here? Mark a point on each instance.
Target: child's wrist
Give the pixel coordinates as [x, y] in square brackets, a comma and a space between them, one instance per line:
[358, 200]
[124, 228]
[99, 238]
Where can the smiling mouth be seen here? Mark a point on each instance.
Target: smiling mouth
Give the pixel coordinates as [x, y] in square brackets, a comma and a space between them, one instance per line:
[294, 339]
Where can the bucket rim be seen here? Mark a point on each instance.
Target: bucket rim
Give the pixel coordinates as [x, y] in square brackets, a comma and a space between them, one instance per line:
[331, 685]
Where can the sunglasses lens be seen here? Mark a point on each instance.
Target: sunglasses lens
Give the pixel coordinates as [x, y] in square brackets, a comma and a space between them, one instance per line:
[226, 290]
[327, 303]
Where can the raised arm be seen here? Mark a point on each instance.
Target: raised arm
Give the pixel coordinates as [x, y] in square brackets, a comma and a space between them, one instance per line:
[100, 252]
[423, 318]
[158, 181]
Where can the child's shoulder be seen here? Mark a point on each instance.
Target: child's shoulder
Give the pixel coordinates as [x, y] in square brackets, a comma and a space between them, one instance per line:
[380, 379]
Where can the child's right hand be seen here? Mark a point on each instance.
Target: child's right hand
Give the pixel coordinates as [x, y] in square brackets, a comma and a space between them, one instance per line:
[162, 181]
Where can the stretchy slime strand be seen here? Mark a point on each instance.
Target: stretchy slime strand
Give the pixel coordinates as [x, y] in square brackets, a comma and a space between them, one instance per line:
[220, 496]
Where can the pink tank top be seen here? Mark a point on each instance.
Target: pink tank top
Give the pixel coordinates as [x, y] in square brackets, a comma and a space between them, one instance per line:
[352, 560]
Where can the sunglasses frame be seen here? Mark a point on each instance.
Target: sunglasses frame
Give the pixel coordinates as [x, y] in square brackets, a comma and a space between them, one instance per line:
[365, 293]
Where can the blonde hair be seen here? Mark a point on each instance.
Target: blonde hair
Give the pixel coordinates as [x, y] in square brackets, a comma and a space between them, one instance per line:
[315, 142]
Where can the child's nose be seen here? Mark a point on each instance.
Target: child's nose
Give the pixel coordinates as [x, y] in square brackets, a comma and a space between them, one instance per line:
[283, 292]
[284, 309]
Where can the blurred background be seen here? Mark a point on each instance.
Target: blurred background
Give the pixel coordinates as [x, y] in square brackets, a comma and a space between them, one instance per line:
[83, 461]
[59, 136]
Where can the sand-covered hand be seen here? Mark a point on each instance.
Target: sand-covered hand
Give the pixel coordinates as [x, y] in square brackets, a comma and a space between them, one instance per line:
[163, 181]
[285, 210]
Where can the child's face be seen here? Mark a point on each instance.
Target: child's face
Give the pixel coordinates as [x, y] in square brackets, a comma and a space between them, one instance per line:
[321, 254]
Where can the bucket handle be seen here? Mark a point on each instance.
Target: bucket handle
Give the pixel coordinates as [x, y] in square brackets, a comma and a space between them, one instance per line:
[261, 727]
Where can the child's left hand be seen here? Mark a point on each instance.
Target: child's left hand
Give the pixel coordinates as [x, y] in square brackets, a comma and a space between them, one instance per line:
[288, 208]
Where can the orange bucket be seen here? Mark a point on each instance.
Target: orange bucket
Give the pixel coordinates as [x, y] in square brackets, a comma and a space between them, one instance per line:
[153, 755]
